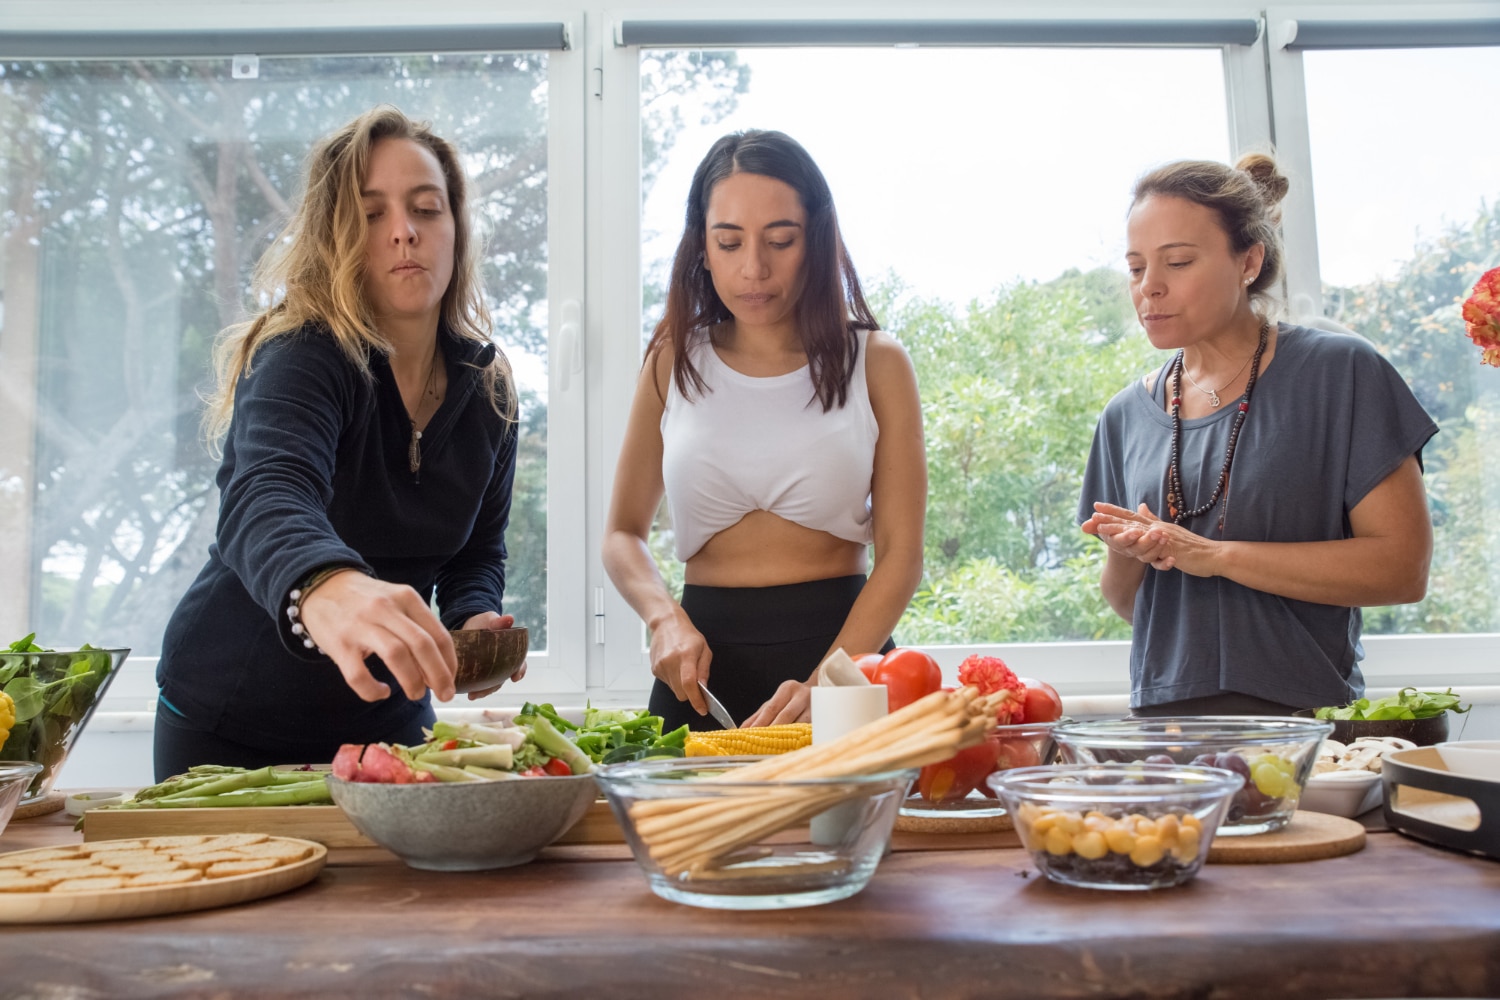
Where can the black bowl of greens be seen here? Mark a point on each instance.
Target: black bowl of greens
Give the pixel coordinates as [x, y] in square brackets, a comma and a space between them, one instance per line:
[1409, 714]
[50, 696]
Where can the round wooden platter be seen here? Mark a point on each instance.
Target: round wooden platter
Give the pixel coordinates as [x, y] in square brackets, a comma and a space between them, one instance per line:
[119, 904]
[49, 803]
[1310, 836]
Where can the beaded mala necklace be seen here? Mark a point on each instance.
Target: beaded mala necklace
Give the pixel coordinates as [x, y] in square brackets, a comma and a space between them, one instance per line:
[1176, 501]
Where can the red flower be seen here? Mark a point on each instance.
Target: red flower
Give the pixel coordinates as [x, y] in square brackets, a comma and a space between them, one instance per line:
[1482, 316]
[990, 674]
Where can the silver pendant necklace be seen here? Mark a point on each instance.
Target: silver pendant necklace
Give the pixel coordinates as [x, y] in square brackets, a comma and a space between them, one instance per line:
[1213, 394]
[414, 447]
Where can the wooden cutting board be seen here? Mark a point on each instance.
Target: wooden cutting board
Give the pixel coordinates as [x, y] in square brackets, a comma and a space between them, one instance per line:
[1310, 836]
[118, 904]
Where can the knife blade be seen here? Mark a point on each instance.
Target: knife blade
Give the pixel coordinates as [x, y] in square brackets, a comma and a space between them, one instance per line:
[716, 708]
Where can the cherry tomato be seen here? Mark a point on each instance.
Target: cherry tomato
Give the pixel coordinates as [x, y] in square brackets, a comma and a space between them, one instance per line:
[1011, 753]
[557, 767]
[867, 664]
[953, 779]
[1042, 701]
[908, 675]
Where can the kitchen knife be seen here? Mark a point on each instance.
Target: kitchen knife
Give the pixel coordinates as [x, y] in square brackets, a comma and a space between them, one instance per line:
[716, 708]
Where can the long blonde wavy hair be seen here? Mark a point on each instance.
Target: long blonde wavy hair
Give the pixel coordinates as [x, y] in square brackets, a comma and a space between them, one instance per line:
[314, 273]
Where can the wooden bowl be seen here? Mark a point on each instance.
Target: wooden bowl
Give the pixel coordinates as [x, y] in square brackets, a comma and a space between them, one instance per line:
[1423, 732]
[487, 657]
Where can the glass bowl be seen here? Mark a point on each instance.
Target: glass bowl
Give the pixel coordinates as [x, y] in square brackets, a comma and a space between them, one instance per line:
[934, 796]
[1118, 826]
[15, 775]
[703, 839]
[1273, 754]
[55, 694]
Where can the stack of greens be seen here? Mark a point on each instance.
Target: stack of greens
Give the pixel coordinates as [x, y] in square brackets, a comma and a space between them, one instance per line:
[215, 786]
[611, 736]
[1408, 703]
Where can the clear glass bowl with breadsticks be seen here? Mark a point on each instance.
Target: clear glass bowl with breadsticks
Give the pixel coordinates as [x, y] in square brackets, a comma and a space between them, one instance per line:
[796, 829]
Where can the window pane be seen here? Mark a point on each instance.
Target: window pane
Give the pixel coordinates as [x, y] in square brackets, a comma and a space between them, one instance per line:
[983, 194]
[1407, 221]
[136, 198]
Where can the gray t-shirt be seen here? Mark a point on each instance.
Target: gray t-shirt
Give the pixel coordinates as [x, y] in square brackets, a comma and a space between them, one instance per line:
[1328, 421]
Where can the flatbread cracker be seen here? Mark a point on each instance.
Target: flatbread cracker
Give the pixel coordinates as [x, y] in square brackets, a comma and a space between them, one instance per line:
[203, 860]
[225, 841]
[226, 868]
[178, 876]
[28, 885]
[90, 884]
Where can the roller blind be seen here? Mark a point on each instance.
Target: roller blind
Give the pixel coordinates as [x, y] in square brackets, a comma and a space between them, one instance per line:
[1345, 34]
[729, 34]
[301, 42]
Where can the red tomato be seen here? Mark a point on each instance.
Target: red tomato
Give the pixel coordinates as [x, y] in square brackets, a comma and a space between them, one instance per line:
[1042, 701]
[867, 664]
[956, 777]
[908, 675]
[534, 771]
[1011, 753]
[557, 767]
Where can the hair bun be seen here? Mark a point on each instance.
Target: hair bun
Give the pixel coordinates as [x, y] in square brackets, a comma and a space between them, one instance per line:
[1263, 171]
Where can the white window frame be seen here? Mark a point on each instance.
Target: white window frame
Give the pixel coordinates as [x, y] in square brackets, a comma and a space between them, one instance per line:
[1258, 77]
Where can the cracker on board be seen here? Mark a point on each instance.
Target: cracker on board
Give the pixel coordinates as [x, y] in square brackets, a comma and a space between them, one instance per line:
[90, 884]
[177, 876]
[224, 869]
[225, 841]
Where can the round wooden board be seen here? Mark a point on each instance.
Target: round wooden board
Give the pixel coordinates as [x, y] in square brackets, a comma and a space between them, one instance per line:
[1310, 836]
[119, 904]
[49, 803]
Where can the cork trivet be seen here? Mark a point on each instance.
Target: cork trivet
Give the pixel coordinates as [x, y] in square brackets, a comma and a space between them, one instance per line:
[957, 823]
[1309, 836]
[49, 803]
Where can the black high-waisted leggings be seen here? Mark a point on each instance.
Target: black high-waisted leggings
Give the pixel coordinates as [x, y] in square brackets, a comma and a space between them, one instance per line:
[760, 636]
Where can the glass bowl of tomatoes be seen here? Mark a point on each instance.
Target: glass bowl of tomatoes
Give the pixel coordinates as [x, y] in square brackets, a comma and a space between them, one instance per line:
[958, 788]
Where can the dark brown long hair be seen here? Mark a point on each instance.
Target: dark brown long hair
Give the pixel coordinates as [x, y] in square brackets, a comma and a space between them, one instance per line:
[831, 306]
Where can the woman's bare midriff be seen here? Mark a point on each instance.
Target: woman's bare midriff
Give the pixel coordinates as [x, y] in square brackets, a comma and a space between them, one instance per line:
[764, 550]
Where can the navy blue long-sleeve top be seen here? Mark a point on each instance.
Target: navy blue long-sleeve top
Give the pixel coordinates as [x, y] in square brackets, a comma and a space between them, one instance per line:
[316, 472]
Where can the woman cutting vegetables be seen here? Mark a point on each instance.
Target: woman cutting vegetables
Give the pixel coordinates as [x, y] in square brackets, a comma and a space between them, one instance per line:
[785, 429]
[369, 447]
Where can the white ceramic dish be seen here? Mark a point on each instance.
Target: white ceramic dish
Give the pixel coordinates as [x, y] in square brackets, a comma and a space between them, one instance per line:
[79, 803]
[1472, 758]
[1342, 793]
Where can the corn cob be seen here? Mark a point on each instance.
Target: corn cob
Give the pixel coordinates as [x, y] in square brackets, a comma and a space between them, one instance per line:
[755, 740]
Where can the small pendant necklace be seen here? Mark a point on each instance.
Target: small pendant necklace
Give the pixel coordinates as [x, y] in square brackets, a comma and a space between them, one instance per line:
[1176, 502]
[1213, 394]
[429, 391]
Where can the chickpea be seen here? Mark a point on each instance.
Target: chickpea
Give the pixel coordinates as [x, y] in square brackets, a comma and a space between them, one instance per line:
[1058, 842]
[1091, 845]
[1148, 851]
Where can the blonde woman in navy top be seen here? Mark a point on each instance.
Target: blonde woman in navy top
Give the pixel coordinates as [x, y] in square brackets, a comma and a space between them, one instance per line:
[785, 430]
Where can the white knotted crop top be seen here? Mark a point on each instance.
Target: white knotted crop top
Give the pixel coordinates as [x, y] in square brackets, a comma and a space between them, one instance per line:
[749, 443]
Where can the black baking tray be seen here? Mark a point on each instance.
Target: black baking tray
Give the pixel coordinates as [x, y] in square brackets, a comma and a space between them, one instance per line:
[1424, 799]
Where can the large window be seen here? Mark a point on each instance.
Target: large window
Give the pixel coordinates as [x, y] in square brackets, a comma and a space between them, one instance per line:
[135, 197]
[1407, 188]
[982, 193]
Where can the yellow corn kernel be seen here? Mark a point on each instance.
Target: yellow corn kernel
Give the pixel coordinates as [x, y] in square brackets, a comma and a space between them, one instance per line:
[1119, 839]
[757, 740]
[1148, 851]
[1091, 845]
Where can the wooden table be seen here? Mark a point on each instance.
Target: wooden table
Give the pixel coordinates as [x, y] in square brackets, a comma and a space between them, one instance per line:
[1397, 919]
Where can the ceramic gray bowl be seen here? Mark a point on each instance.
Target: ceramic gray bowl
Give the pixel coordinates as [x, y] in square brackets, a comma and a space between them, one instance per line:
[466, 826]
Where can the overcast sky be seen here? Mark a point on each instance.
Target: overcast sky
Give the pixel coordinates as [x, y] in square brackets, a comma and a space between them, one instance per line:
[963, 169]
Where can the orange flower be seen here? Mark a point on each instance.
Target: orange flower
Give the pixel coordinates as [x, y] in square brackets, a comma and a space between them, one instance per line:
[1482, 316]
[990, 675]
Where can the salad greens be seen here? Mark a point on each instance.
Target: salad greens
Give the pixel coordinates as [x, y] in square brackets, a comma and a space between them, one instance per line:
[1408, 703]
[53, 695]
[610, 736]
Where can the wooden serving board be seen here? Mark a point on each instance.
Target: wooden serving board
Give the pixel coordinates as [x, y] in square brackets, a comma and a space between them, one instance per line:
[328, 825]
[118, 904]
[1309, 836]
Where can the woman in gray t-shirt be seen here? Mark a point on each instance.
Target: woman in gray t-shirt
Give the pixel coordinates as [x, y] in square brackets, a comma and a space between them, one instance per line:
[1261, 487]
